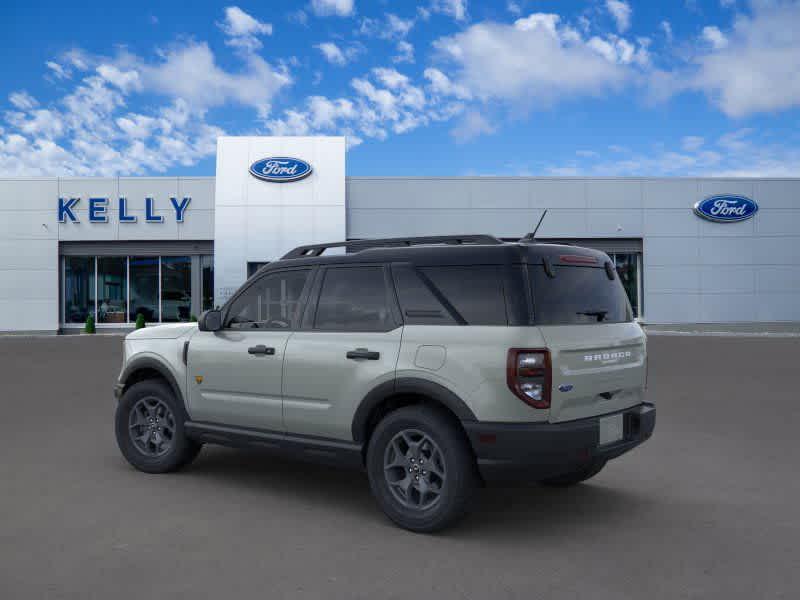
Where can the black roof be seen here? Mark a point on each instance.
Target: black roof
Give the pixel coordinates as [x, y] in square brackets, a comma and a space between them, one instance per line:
[444, 250]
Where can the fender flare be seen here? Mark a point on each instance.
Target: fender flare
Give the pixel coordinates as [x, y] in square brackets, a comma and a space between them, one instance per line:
[407, 385]
[147, 362]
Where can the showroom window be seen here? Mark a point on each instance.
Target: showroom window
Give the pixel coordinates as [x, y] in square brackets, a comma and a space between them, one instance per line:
[112, 289]
[144, 288]
[207, 275]
[115, 290]
[628, 266]
[176, 289]
[79, 288]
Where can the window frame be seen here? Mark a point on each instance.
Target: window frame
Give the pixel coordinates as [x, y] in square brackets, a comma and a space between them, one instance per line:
[303, 300]
[310, 312]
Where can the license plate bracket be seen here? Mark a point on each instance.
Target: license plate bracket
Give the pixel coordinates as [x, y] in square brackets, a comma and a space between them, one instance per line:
[612, 429]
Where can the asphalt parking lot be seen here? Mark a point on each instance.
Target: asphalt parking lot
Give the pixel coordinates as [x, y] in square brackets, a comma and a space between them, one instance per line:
[707, 509]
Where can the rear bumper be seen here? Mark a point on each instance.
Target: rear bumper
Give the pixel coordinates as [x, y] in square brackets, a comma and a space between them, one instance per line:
[533, 451]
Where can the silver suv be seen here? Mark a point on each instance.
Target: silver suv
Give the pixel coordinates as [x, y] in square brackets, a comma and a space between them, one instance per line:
[435, 364]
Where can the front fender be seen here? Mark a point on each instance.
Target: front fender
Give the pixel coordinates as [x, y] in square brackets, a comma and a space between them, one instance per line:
[150, 362]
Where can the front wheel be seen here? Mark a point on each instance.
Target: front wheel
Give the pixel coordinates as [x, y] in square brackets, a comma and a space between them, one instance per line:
[149, 427]
[421, 470]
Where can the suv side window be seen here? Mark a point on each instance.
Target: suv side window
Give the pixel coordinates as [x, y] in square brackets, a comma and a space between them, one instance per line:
[271, 302]
[418, 303]
[474, 291]
[353, 299]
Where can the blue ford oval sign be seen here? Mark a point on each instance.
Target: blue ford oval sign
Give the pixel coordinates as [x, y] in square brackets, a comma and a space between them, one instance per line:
[725, 208]
[280, 169]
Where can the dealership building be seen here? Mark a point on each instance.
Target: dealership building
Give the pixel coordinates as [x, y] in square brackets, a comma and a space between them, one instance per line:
[688, 250]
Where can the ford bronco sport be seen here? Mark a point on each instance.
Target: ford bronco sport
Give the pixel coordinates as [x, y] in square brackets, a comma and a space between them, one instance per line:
[434, 364]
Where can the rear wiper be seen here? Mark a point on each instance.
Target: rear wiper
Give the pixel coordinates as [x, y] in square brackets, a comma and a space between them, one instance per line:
[600, 314]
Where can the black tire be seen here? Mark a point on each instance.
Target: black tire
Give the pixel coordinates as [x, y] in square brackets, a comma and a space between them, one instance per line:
[574, 477]
[174, 450]
[440, 434]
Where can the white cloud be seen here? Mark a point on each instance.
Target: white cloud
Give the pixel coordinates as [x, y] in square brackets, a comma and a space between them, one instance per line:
[715, 37]
[472, 124]
[666, 27]
[441, 84]
[385, 101]
[537, 60]
[735, 154]
[190, 72]
[405, 53]
[127, 80]
[58, 70]
[398, 27]
[758, 70]
[514, 8]
[336, 55]
[22, 100]
[619, 50]
[90, 130]
[391, 27]
[453, 8]
[339, 8]
[243, 29]
[621, 11]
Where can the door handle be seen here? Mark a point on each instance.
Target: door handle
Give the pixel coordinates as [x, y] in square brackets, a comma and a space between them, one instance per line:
[363, 353]
[261, 349]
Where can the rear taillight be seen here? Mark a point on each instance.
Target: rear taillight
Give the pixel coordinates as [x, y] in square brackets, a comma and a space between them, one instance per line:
[528, 374]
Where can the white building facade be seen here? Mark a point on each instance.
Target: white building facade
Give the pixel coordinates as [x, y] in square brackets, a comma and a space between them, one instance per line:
[169, 248]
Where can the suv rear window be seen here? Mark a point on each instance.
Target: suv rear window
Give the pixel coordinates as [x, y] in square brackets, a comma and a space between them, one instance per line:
[578, 295]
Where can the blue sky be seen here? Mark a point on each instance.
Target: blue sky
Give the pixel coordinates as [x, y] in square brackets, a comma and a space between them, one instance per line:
[439, 87]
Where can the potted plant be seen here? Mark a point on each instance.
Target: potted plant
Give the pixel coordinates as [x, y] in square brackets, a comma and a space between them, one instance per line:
[89, 327]
[140, 323]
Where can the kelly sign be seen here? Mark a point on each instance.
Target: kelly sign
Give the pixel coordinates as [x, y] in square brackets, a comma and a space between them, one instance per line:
[99, 208]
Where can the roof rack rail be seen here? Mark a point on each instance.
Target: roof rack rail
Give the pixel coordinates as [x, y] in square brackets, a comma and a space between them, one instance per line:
[358, 245]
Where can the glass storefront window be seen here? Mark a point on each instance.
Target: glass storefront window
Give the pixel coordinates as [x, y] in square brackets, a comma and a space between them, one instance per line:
[144, 288]
[115, 289]
[112, 289]
[627, 266]
[78, 288]
[176, 288]
[207, 273]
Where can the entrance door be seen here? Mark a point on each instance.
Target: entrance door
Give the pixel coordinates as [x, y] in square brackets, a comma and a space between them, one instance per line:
[235, 374]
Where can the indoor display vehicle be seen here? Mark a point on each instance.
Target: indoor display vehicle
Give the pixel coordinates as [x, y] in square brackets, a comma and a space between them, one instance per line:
[435, 364]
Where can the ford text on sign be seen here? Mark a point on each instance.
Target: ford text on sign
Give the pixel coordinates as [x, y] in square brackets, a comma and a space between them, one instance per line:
[280, 169]
[726, 208]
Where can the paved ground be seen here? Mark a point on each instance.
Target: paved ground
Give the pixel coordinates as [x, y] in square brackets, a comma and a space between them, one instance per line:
[707, 509]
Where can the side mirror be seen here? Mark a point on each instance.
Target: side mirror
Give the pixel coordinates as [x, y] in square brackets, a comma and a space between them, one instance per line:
[210, 320]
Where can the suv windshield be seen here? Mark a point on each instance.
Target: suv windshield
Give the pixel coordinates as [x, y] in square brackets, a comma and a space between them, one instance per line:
[578, 295]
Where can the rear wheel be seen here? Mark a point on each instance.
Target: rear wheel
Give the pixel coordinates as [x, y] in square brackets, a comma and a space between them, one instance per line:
[576, 476]
[149, 428]
[420, 469]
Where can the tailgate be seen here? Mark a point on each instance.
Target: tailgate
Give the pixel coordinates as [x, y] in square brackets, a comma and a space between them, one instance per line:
[597, 368]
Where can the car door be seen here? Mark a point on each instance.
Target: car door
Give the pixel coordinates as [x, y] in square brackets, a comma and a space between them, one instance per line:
[349, 343]
[235, 374]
